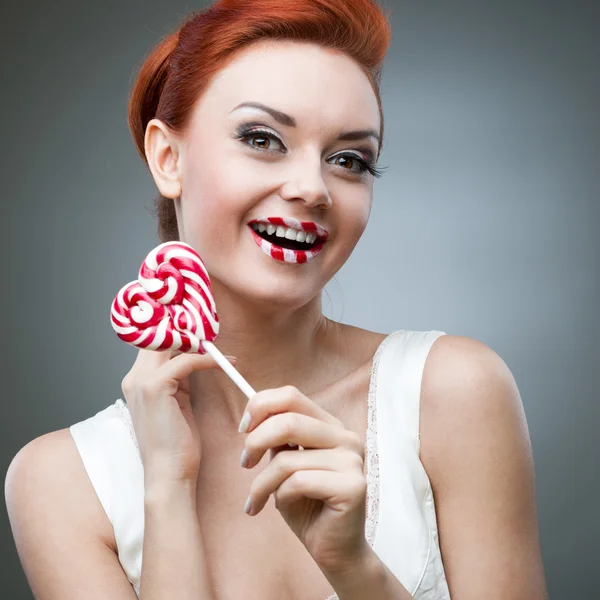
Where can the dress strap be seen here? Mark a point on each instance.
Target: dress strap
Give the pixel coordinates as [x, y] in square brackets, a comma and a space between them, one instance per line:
[399, 381]
[112, 462]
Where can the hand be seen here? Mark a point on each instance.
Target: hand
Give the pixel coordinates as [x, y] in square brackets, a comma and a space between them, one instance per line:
[319, 490]
[157, 391]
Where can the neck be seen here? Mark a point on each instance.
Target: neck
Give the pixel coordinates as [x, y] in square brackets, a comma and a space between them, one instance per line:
[273, 348]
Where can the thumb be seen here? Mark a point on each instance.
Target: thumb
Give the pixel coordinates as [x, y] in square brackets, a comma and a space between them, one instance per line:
[183, 364]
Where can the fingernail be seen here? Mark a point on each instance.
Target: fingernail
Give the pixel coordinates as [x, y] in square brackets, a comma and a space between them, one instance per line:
[248, 505]
[231, 358]
[245, 422]
[244, 459]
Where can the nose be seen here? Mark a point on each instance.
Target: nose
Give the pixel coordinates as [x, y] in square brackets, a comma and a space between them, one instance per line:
[306, 184]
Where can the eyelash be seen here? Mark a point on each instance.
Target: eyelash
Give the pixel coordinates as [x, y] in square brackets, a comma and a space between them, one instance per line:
[244, 134]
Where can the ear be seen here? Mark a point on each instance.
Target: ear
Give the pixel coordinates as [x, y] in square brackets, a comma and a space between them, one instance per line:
[162, 153]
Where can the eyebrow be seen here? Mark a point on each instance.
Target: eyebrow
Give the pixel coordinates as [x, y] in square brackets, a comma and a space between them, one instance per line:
[285, 119]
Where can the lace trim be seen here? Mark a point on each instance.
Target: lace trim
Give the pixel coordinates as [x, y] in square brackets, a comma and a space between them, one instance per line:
[123, 412]
[372, 452]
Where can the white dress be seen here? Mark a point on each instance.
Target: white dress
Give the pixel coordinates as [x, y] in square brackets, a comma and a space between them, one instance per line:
[401, 524]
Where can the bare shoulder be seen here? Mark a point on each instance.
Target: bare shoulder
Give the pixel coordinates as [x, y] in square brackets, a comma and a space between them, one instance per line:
[51, 465]
[476, 450]
[59, 526]
[465, 385]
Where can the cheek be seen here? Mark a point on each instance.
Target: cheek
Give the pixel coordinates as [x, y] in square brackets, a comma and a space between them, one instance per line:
[216, 201]
[226, 185]
[352, 215]
[208, 195]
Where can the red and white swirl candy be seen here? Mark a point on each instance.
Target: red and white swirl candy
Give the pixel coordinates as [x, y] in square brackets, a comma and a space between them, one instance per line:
[171, 306]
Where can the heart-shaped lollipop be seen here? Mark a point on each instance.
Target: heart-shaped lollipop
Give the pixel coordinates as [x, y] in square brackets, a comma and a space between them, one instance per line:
[171, 306]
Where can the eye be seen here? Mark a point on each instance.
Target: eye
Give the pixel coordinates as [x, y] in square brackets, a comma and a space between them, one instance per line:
[263, 138]
[363, 165]
[349, 161]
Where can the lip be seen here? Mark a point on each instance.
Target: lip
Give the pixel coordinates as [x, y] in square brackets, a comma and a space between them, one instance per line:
[308, 226]
[285, 254]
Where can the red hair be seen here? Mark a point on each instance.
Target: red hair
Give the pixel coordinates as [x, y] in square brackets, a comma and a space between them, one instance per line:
[175, 74]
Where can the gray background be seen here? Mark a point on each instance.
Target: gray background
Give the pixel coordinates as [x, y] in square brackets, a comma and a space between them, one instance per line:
[485, 224]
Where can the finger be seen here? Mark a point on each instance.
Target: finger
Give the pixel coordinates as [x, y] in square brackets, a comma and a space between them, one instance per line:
[151, 358]
[267, 403]
[338, 490]
[305, 431]
[275, 450]
[288, 462]
[183, 365]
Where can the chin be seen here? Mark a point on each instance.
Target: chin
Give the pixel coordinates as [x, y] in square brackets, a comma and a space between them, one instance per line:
[281, 297]
[273, 292]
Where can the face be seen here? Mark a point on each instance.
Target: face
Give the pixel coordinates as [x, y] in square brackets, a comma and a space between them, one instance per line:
[252, 179]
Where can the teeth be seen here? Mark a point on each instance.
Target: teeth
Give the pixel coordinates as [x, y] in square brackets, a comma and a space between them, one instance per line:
[285, 232]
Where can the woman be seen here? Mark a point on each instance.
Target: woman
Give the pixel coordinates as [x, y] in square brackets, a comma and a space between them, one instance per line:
[255, 119]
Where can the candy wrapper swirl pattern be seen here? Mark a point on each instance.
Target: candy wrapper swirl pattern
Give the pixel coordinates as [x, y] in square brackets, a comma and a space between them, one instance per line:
[170, 306]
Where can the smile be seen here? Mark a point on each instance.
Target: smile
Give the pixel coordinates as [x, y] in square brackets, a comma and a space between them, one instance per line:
[288, 240]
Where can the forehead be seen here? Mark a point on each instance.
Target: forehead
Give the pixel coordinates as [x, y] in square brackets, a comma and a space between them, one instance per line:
[318, 86]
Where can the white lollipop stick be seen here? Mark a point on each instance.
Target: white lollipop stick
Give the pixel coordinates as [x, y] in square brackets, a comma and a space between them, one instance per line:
[229, 369]
[234, 375]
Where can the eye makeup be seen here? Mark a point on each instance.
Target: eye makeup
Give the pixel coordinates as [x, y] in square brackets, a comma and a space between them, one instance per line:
[254, 129]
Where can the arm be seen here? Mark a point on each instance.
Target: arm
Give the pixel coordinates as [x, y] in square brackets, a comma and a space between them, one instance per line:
[174, 561]
[61, 532]
[62, 536]
[476, 450]
[368, 580]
